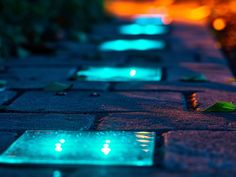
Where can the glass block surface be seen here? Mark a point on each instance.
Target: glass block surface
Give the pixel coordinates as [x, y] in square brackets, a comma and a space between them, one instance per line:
[135, 29]
[82, 148]
[144, 19]
[120, 74]
[137, 44]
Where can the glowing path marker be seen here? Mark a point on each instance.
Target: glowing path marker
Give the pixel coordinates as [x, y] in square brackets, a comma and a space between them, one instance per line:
[120, 74]
[137, 44]
[81, 148]
[154, 19]
[136, 29]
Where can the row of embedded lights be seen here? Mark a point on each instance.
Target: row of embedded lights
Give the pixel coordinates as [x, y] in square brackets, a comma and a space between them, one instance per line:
[147, 25]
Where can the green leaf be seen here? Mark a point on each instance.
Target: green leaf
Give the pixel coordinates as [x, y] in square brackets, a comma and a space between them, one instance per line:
[58, 87]
[197, 78]
[221, 107]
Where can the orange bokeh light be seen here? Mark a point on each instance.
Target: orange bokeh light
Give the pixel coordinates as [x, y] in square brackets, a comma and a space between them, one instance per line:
[128, 9]
[190, 11]
[232, 6]
[199, 13]
[219, 24]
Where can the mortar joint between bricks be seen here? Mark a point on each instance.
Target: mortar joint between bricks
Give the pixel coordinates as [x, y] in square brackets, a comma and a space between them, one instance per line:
[164, 75]
[4, 106]
[18, 94]
[159, 152]
[97, 120]
[191, 101]
[112, 86]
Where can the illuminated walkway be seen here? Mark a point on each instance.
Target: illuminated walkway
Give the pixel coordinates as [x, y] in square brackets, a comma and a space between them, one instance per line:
[149, 78]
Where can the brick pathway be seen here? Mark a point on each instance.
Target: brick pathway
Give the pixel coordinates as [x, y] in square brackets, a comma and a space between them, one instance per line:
[191, 143]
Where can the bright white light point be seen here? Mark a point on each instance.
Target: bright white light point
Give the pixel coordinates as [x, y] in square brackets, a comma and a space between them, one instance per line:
[145, 150]
[58, 144]
[106, 150]
[108, 141]
[62, 141]
[58, 147]
[133, 72]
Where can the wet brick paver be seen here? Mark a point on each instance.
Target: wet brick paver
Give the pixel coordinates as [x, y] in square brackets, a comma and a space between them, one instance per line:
[165, 120]
[6, 139]
[103, 102]
[200, 150]
[6, 96]
[20, 122]
[210, 71]
[192, 143]
[34, 78]
[207, 97]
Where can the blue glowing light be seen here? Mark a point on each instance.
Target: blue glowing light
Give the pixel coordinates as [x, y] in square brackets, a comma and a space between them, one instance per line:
[76, 148]
[57, 173]
[146, 19]
[135, 29]
[138, 44]
[120, 74]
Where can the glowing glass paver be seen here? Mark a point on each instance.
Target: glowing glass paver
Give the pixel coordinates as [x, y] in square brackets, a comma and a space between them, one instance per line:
[112, 74]
[82, 148]
[135, 29]
[137, 44]
[155, 19]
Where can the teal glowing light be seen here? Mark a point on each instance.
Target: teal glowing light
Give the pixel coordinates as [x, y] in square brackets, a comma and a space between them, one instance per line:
[155, 19]
[138, 44]
[120, 74]
[135, 29]
[76, 148]
[57, 173]
[133, 72]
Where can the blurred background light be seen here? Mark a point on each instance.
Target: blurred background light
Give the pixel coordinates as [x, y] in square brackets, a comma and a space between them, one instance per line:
[199, 13]
[137, 44]
[219, 24]
[149, 29]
